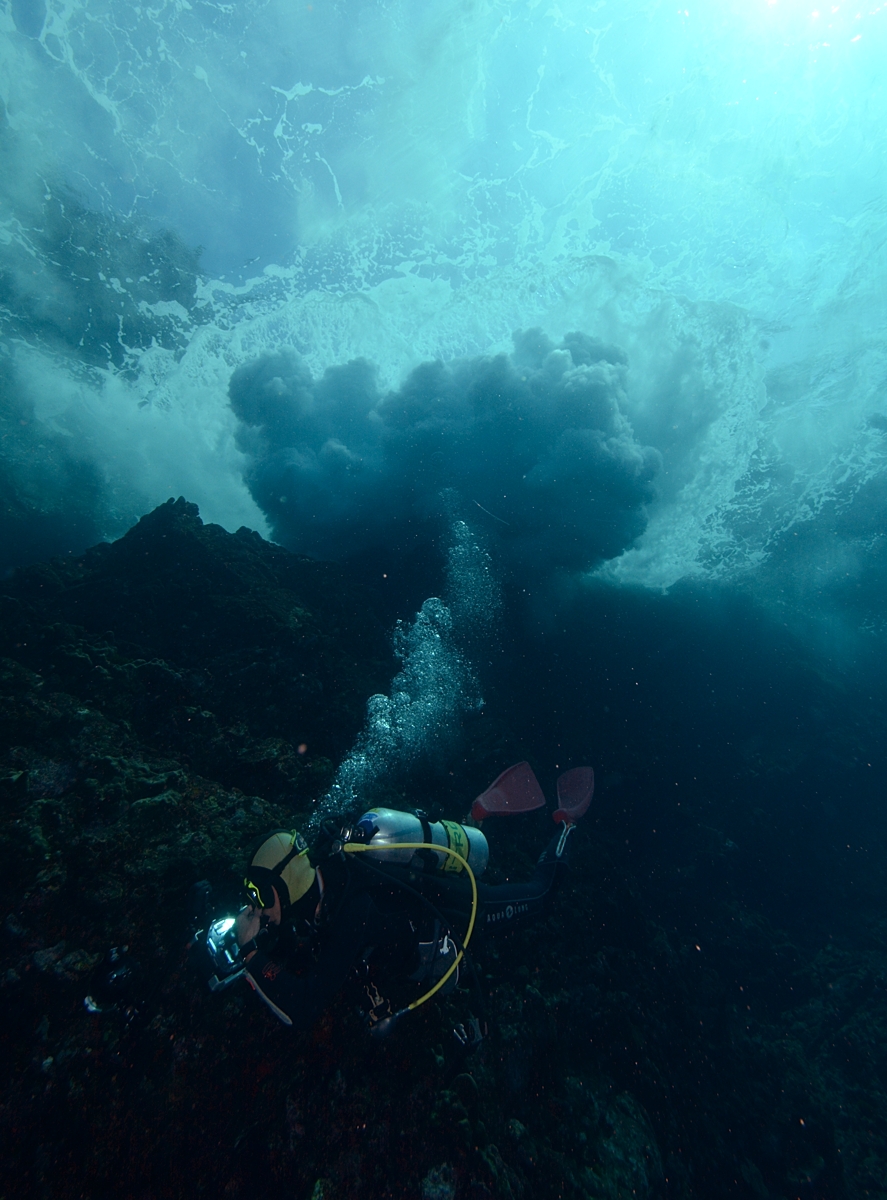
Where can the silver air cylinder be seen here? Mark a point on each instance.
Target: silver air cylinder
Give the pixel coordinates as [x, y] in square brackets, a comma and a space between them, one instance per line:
[388, 827]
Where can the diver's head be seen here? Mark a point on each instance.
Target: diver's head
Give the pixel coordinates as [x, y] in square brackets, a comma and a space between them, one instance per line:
[278, 872]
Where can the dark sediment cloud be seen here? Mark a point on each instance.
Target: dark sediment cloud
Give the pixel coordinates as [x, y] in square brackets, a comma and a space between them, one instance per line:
[535, 444]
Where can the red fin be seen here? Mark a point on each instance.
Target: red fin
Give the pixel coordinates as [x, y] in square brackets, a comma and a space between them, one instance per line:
[516, 790]
[574, 792]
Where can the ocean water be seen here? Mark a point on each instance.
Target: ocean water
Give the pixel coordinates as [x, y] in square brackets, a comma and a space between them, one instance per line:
[188, 188]
[406, 182]
[563, 325]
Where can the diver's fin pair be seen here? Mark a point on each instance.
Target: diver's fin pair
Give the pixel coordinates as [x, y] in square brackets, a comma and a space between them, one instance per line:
[517, 790]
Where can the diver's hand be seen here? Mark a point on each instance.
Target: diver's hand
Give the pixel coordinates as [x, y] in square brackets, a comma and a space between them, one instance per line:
[247, 923]
[328, 843]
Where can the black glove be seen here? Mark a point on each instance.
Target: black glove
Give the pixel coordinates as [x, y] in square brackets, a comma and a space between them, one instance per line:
[329, 842]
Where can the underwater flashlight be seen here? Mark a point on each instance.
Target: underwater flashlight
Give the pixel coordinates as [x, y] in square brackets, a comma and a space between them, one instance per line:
[224, 953]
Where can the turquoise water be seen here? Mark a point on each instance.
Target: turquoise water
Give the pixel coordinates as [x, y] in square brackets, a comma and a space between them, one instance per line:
[272, 257]
[702, 187]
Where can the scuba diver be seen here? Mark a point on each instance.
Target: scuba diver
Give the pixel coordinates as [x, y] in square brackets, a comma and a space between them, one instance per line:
[390, 902]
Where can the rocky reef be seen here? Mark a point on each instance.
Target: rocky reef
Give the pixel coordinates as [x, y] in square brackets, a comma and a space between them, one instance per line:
[165, 698]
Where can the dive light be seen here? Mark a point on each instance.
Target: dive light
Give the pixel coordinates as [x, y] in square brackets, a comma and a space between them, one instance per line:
[224, 953]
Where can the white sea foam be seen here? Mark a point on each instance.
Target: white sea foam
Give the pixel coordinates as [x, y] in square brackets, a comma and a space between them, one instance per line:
[703, 188]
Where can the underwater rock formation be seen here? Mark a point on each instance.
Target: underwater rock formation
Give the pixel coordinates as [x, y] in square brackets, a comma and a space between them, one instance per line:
[165, 698]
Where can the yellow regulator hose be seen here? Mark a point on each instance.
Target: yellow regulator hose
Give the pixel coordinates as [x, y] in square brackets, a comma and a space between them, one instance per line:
[357, 848]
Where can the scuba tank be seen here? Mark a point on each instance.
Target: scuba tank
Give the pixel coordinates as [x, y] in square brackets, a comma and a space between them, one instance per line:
[388, 826]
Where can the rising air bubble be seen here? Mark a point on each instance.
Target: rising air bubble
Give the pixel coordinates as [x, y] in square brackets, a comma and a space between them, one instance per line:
[419, 720]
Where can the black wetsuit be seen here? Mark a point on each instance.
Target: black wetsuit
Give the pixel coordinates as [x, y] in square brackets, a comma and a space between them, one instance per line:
[366, 910]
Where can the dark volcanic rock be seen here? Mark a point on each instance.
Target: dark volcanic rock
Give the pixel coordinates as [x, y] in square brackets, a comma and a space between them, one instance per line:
[220, 648]
[164, 699]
